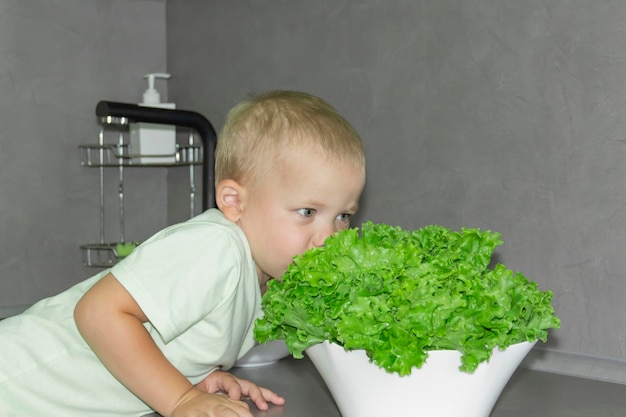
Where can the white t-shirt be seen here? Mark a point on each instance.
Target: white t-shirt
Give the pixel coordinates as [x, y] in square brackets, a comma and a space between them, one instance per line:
[197, 284]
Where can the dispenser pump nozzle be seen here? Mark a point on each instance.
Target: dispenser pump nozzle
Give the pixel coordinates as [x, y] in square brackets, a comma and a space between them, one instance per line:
[151, 95]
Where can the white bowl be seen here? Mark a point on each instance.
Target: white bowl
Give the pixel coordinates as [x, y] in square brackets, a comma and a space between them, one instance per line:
[264, 354]
[437, 389]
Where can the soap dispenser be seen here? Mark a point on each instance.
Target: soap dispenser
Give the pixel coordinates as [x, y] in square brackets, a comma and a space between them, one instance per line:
[153, 143]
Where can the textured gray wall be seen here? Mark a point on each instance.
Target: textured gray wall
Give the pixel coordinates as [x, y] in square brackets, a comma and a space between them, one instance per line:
[504, 115]
[58, 58]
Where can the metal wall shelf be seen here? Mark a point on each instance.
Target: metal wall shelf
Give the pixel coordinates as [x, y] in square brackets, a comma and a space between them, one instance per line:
[119, 116]
[121, 155]
[101, 255]
[105, 254]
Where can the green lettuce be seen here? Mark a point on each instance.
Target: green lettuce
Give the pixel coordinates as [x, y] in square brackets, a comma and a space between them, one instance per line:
[398, 294]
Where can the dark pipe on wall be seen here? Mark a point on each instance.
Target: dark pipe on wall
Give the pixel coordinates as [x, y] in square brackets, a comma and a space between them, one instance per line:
[183, 118]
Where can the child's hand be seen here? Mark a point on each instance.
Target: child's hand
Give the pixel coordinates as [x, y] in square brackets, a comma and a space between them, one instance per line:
[237, 388]
[197, 403]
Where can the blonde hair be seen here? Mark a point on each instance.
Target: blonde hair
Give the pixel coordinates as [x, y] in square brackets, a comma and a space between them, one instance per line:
[259, 130]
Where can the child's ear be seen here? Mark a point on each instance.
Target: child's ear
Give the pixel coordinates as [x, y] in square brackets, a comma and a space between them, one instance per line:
[229, 198]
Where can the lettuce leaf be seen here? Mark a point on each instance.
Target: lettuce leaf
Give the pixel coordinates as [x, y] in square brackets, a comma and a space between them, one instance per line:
[398, 294]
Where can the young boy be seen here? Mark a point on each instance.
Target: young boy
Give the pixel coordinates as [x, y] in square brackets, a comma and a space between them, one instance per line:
[156, 331]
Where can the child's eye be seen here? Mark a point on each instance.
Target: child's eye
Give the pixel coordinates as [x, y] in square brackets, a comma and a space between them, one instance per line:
[343, 221]
[306, 212]
[344, 217]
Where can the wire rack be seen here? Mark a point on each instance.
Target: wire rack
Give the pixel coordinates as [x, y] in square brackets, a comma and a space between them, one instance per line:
[119, 155]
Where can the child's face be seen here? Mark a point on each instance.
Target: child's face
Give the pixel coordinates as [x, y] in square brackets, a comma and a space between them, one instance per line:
[295, 207]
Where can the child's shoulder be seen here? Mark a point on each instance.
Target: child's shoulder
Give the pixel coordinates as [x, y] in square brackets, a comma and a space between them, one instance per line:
[209, 228]
[211, 219]
[212, 215]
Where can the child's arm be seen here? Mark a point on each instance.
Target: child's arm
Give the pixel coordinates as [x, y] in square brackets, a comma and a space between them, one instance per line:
[111, 323]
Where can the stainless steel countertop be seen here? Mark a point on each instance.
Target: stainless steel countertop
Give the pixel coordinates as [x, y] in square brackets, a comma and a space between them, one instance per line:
[528, 393]
[298, 382]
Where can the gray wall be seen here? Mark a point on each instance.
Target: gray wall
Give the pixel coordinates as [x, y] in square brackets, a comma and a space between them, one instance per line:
[58, 58]
[503, 115]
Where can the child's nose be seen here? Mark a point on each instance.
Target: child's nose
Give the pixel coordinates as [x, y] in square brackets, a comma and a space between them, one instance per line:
[321, 235]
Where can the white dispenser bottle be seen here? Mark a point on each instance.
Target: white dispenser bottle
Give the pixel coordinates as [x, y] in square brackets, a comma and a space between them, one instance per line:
[153, 143]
